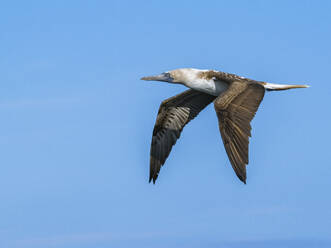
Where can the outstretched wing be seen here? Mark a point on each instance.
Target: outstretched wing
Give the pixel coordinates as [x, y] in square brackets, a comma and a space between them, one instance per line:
[235, 109]
[174, 113]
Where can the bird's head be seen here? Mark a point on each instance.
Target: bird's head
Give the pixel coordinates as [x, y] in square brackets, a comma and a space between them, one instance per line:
[164, 77]
[178, 76]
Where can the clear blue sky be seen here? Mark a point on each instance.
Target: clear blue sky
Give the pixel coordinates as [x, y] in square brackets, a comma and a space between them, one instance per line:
[76, 125]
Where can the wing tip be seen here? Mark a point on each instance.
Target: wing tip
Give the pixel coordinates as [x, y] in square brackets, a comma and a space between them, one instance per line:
[242, 178]
[152, 178]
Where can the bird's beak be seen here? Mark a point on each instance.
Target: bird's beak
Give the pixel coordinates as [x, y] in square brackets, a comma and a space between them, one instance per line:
[161, 77]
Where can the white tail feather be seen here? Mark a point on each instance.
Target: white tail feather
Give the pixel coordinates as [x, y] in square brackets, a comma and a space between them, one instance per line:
[269, 86]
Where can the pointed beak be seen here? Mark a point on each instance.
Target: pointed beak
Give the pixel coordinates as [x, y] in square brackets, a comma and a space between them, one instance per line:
[161, 77]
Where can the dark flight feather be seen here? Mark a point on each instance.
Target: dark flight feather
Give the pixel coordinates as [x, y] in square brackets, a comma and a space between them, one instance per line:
[174, 113]
[235, 109]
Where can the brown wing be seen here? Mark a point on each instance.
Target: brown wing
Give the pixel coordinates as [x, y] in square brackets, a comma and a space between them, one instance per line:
[174, 113]
[235, 109]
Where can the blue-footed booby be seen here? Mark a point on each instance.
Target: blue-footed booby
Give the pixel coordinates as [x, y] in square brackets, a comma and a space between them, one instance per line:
[236, 100]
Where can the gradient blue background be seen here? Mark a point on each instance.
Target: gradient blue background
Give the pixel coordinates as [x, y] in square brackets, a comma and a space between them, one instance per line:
[76, 125]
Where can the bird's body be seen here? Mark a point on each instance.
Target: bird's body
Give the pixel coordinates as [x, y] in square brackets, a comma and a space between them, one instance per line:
[236, 100]
[210, 86]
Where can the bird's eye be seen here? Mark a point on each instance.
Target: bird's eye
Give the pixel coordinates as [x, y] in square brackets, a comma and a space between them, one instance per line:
[167, 74]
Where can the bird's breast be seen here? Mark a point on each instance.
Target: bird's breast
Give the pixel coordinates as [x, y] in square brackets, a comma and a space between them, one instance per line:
[209, 86]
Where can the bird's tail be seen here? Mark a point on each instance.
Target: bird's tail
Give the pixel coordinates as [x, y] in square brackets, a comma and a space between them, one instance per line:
[269, 86]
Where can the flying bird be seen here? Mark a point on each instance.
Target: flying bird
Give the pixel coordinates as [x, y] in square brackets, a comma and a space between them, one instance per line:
[236, 100]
